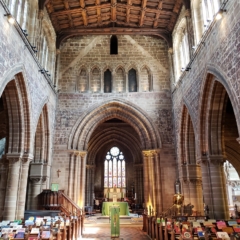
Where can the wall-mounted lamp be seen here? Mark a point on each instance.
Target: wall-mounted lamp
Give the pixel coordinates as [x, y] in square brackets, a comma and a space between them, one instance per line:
[10, 18]
[187, 69]
[220, 14]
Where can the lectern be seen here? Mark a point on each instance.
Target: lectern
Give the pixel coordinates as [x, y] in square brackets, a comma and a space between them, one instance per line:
[115, 225]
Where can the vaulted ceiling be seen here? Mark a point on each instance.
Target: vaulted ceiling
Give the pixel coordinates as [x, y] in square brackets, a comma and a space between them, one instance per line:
[82, 17]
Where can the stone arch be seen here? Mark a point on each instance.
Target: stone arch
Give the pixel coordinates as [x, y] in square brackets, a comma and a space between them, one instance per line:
[187, 141]
[15, 93]
[213, 76]
[82, 84]
[120, 79]
[95, 79]
[132, 66]
[117, 135]
[125, 111]
[215, 133]
[146, 79]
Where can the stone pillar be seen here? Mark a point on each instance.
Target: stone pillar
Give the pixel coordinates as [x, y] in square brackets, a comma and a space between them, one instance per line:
[220, 205]
[9, 212]
[35, 188]
[81, 197]
[146, 183]
[190, 34]
[158, 182]
[71, 176]
[3, 183]
[77, 165]
[213, 186]
[127, 87]
[150, 179]
[23, 179]
[16, 186]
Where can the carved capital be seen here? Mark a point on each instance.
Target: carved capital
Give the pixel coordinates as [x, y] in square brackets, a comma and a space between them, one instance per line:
[35, 180]
[202, 160]
[82, 154]
[147, 153]
[195, 181]
[58, 51]
[44, 179]
[170, 50]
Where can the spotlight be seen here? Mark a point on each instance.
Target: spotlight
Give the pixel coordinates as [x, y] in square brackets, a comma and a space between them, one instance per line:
[25, 32]
[182, 69]
[220, 14]
[187, 69]
[41, 71]
[10, 18]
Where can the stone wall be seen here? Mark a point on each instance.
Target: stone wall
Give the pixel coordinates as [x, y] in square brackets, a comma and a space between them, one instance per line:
[219, 55]
[87, 57]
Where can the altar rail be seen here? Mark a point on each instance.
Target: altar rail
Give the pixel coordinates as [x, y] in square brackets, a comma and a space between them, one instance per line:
[51, 200]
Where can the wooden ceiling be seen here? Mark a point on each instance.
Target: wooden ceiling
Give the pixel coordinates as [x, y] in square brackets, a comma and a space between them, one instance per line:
[81, 17]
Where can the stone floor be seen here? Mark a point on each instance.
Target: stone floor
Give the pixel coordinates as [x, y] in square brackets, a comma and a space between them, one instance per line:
[98, 228]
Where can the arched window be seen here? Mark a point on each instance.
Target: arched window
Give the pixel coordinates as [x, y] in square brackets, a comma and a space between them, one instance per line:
[132, 80]
[114, 45]
[107, 81]
[114, 169]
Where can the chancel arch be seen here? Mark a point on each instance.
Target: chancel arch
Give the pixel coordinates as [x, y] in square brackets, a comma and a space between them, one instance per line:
[99, 121]
[218, 134]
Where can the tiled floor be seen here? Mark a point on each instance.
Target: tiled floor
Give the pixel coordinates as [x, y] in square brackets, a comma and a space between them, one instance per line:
[99, 229]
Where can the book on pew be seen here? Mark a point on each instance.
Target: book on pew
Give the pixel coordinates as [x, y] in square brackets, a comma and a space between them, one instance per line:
[232, 223]
[200, 235]
[46, 234]
[35, 231]
[19, 235]
[221, 224]
[222, 235]
[33, 238]
[236, 228]
[228, 230]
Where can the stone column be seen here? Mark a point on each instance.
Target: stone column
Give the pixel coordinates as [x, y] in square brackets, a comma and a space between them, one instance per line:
[213, 186]
[81, 197]
[218, 188]
[71, 175]
[11, 196]
[77, 168]
[158, 182]
[127, 87]
[189, 28]
[23, 179]
[146, 183]
[35, 188]
[3, 183]
[151, 172]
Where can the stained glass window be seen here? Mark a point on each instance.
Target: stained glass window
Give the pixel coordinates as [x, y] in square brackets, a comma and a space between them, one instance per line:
[114, 169]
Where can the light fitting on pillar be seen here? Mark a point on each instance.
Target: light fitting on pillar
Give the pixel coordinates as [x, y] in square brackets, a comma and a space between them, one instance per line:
[10, 18]
[220, 14]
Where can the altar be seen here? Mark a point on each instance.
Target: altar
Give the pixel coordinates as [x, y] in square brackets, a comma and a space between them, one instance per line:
[124, 210]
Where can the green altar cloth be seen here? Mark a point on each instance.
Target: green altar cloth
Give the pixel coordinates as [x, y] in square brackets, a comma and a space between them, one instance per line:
[124, 210]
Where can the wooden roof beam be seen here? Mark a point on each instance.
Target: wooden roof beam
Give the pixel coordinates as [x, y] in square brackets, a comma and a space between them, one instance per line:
[82, 3]
[113, 10]
[85, 18]
[155, 23]
[66, 4]
[129, 4]
[98, 2]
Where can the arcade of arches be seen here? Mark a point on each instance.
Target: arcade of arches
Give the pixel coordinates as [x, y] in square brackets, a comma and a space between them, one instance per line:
[167, 97]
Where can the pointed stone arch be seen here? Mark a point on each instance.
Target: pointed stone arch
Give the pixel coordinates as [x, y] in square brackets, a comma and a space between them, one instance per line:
[215, 94]
[120, 79]
[82, 84]
[127, 112]
[146, 82]
[96, 79]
